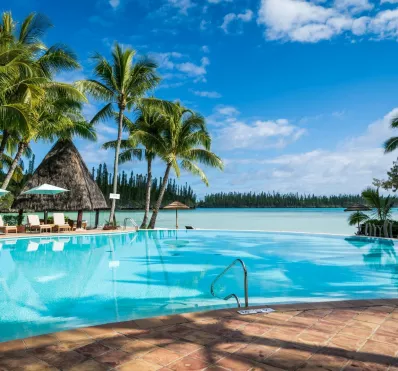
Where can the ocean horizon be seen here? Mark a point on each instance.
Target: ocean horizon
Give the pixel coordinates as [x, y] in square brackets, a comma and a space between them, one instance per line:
[310, 220]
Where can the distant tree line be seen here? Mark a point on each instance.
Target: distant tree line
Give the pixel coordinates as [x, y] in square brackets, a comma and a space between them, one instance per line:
[276, 199]
[132, 188]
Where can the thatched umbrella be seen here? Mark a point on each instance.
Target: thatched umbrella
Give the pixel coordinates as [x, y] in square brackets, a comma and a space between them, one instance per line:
[63, 167]
[357, 208]
[176, 206]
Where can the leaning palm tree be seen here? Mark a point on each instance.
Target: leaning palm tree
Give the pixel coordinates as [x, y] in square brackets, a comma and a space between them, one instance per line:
[184, 142]
[122, 83]
[56, 116]
[150, 121]
[25, 63]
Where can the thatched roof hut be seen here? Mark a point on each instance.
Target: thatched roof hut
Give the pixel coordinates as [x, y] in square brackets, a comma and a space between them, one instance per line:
[63, 167]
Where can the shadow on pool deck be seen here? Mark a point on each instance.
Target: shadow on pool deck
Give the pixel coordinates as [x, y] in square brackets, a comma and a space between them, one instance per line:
[351, 335]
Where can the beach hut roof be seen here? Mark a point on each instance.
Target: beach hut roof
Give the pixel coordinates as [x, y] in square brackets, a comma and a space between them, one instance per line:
[176, 205]
[358, 207]
[63, 167]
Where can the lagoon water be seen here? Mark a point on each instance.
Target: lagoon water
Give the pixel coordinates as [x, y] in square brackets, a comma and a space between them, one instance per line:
[291, 220]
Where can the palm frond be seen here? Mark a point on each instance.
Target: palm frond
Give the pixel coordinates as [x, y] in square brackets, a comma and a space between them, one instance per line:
[205, 157]
[130, 154]
[195, 170]
[58, 58]
[103, 114]
[96, 89]
[391, 145]
[33, 28]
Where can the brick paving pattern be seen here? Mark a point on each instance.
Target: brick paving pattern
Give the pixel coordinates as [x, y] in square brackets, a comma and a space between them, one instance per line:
[350, 335]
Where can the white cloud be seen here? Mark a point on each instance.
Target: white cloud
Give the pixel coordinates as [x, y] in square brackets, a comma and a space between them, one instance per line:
[227, 110]
[306, 21]
[174, 61]
[258, 135]
[192, 69]
[204, 25]
[222, 115]
[205, 49]
[207, 94]
[114, 3]
[354, 6]
[349, 168]
[166, 60]
[247, 16]
[182, 5]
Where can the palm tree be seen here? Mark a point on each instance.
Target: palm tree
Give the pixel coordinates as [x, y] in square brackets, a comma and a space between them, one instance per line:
[184, 142]
[357, 218]
[150, 121]
[382, 204]
[121, 83]
[25, 64]
[391, 144]
[58, 117]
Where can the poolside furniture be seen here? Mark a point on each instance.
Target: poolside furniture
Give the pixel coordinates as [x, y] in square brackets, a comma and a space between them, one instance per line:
[189, 227]
[34, 225]
[58, 246]
[32, 246]
[73, 224]
[7, 228]
[59, 223]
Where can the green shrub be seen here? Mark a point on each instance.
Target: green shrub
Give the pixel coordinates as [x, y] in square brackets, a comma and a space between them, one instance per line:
[10, 219]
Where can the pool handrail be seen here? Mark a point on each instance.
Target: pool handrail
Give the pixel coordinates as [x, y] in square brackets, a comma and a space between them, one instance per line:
[133, 222]
[245, 283]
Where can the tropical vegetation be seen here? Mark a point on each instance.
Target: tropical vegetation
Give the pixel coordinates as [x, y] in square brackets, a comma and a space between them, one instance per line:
[133, 189]
[277, 199]
[119, 83]
[36, 107]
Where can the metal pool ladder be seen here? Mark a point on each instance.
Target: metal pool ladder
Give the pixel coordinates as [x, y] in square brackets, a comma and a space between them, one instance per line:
[245, 283]
[135, 225]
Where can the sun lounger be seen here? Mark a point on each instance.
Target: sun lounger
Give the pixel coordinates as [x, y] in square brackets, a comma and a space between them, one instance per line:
[32, 246]
[59, 223]
[7, 228]
[34, 224]
[58, 246]
[189, 227]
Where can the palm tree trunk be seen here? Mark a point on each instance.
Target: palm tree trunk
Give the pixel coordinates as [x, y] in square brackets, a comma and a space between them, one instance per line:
[4, 141]
[160, 198]
[148, 194]
[21, 148]
[116, 164]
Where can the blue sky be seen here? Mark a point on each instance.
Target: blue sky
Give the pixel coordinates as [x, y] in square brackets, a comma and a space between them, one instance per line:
[298, 94]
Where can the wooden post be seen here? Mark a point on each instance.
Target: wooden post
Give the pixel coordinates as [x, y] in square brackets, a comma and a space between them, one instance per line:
[45, 216]
[20, 216]
[79, 219]
[176, 219]
[97, 212]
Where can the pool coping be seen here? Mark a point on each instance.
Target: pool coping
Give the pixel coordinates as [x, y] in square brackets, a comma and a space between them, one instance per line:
[146, 323]
[222, 339]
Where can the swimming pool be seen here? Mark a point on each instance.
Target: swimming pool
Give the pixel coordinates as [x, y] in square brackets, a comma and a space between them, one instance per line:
[52, 284]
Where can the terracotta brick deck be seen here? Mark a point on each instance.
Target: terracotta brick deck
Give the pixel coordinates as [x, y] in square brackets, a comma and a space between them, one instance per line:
[350, 335]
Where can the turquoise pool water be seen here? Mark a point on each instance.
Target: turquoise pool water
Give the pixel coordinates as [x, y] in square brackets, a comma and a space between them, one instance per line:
[52, 284]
